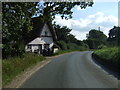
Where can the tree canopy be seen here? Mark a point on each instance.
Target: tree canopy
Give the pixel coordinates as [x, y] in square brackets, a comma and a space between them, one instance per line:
[62, 32]
[114, 35]
[66, 40]
[16, 22]
[50, 9]
[95, 38]
[95, 34]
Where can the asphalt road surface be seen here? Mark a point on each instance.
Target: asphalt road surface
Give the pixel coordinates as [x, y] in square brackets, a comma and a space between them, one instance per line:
[73, 70]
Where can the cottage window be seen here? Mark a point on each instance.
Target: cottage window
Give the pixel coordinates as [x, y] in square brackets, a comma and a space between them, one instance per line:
[46, 46]
[46, 33]
[29, 47]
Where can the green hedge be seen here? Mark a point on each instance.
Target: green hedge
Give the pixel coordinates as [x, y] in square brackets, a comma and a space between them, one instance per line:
[108, 56]
[13, 66]
[72, 46]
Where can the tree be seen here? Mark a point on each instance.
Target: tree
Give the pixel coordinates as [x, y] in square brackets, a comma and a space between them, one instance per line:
[68, 41]
[50, 9]
[16, 23]
[62, 32]
[114, 36]
[95, 34]
[95, 38]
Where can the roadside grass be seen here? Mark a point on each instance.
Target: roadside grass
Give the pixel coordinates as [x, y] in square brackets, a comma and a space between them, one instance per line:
[66, 51]
[111, 55]
[62, 52]
[13, 66]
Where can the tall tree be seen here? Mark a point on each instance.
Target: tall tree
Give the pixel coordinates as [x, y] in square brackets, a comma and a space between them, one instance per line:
[63, 33]
[114, 35]
[96, 38]
[16, 22]
[96, 34]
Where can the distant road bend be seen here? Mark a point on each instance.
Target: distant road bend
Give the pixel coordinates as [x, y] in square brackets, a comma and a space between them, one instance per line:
[73, 70]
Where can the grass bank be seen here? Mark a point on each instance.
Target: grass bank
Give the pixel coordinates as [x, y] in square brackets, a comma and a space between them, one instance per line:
[13, 66]
[65, 51]
[109, 57]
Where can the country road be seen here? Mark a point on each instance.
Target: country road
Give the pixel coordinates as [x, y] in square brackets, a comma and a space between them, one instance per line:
[72, 70]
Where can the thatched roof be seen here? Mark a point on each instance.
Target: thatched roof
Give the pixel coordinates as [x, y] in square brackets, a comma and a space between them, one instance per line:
[38, 25]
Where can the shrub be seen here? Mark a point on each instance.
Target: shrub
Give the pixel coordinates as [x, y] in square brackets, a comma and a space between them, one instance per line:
[72, 46]
[109, 54]
[102, 46]
[62, 45]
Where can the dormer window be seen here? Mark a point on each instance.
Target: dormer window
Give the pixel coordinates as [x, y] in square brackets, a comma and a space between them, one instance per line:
[46, 33]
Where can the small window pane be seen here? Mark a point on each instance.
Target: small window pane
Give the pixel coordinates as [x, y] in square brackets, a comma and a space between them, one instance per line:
[29, 46]
[46, 33]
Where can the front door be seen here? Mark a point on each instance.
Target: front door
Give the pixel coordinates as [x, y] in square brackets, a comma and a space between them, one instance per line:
[40, 48]
[46, 50]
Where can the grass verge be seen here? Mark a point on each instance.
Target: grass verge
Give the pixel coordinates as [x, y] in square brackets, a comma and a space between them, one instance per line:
[14, 66]
[109, 57]
[63, 51]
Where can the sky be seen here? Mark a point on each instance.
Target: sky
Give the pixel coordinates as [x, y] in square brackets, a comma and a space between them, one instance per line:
[101, 14]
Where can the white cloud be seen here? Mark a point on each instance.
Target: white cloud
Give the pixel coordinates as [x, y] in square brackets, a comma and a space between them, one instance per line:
[79, 35]
[63, 22]
[83, 25]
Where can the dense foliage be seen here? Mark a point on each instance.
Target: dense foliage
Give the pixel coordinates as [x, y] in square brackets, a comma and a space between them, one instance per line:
[50, 9]
[16, 23]
[114, 36]
[95, 38]
[109, 56]
[95, 34]
[14, 66]
[67, 41]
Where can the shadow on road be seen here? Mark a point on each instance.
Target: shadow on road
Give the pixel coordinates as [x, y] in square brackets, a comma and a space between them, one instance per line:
[113, 72]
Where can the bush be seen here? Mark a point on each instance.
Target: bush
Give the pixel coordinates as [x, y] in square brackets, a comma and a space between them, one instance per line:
[109, 54]
[62, 45]
[83, 48]
[12, 50]
[102, 46]
[13, 66]
[72, 46]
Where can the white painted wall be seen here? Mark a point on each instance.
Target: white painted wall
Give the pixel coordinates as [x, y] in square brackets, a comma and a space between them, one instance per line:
[42, 40]
[55, 50]
[34, 48]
